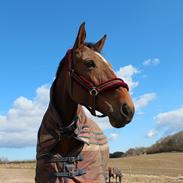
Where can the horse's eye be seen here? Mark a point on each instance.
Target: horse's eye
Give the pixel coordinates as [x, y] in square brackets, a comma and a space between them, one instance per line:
[90, 64]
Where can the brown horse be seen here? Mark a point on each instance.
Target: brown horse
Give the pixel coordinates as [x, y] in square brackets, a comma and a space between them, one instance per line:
[71, 147]
[110, 173]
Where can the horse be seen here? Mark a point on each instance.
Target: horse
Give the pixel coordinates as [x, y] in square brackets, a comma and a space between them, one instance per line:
[114, 172]
[118, 174]
[71, 147]
[110, 173]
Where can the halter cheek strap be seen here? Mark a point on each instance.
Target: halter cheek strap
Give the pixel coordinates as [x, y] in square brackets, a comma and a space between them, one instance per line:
[93, 90]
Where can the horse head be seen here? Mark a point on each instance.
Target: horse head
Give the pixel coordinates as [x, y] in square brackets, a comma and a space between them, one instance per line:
[94, 84]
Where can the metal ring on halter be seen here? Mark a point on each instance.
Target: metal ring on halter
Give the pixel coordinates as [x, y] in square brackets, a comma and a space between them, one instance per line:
[93, 91]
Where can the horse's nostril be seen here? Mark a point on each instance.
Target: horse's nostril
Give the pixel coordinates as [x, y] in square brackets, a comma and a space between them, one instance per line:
[125, 110]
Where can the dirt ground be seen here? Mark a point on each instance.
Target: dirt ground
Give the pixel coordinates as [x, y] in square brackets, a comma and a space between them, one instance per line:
[149, 179]
[14, 175]
[160, 168]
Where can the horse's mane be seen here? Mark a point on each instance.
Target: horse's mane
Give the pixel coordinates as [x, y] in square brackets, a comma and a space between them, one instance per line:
[63, 61]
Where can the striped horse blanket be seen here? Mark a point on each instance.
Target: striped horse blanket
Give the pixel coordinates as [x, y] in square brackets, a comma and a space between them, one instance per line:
[85, 164]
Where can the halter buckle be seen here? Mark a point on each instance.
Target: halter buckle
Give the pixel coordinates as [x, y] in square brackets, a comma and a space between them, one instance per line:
[93, 91]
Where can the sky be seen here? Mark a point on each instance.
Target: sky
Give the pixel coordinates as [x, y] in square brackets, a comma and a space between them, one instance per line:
[144, 45]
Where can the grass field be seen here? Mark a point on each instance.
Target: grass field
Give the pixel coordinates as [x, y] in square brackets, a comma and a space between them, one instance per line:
[158, 168]
[169, 164]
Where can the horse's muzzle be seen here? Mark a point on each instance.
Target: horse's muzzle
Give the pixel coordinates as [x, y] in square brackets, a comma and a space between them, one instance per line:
[123, 117]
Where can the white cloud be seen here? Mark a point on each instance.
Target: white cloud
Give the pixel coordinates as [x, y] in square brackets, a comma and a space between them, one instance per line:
[143, 100]
[102, 122]
[169, 122]
[113, 136]
[18, 127]
[153, 62]
[127, 73]
[152, 133]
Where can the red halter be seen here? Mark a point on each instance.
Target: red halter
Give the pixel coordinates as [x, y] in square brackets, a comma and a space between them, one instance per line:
[93, 90]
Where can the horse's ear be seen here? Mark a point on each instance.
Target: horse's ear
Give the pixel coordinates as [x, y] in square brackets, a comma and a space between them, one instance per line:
[99, 44]
[80, 37]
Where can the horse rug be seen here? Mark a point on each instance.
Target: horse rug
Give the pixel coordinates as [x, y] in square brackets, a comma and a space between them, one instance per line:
[86, 163]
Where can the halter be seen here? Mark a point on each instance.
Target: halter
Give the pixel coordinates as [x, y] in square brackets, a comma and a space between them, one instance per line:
[93, 90]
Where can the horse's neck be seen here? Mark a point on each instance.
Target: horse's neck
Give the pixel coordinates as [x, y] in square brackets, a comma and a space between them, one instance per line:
[66, 109]
[65, 106]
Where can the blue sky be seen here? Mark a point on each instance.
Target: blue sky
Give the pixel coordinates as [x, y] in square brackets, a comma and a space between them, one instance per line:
[144, 45]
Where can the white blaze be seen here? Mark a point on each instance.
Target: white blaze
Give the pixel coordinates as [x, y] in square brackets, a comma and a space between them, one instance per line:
[101, 57]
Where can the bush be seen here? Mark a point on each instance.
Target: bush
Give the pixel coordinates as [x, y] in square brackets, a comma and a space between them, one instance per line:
[116, 154]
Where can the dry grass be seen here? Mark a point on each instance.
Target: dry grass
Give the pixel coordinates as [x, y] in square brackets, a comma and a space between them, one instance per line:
[168, 164]
[17, 166]
[150, 179]
[15, 175]
[159, 168]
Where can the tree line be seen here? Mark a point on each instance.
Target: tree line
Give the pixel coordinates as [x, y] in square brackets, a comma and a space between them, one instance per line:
[171, 143]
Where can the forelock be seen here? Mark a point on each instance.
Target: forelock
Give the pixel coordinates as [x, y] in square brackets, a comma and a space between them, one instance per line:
[92, 46]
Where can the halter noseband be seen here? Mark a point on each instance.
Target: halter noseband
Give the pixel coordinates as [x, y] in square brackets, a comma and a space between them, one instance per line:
[92, 89]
